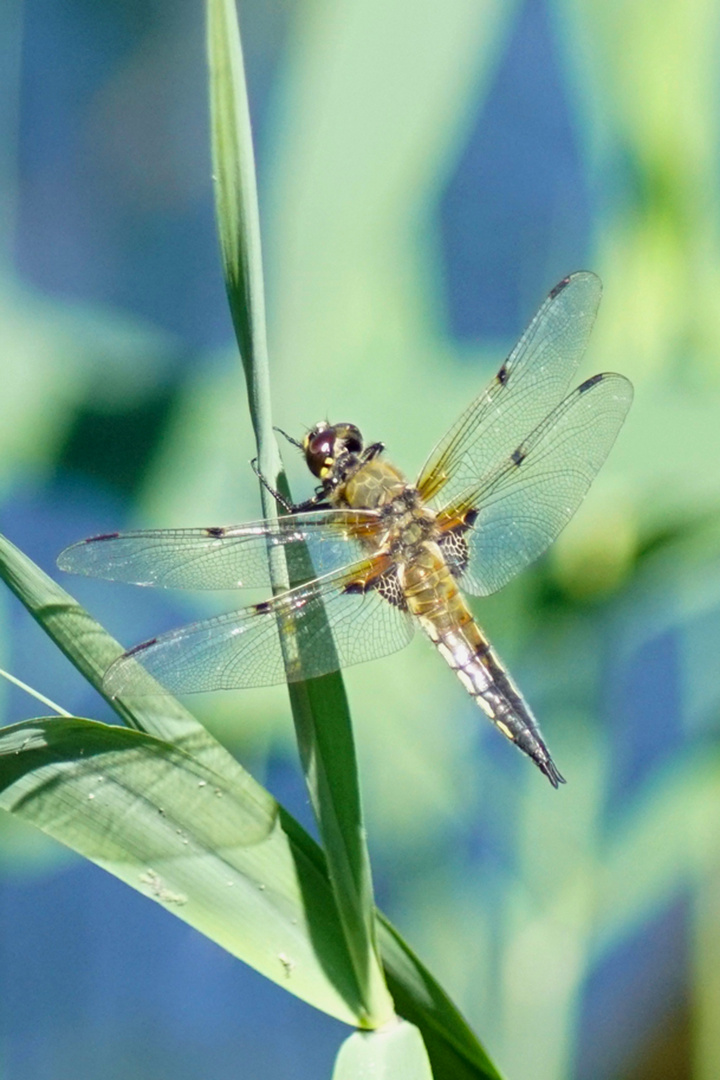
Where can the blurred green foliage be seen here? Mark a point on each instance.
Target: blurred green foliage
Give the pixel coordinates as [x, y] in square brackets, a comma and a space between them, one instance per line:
[614, 637]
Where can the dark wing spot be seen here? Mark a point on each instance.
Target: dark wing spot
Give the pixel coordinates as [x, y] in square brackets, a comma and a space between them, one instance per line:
[104, 536]
[558, 288]
[216, 530]
[502, 375]
[263, 607]
[590, 382]
[141, 647]
[355, 587]
[518, 456]
[470, 518]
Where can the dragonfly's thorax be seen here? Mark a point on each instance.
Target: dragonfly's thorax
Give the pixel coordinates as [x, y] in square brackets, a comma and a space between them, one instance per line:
[410, 525]
[370, 485]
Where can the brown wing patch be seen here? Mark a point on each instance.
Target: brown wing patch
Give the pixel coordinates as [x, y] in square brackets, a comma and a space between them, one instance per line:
[461, 514]
[380, 575]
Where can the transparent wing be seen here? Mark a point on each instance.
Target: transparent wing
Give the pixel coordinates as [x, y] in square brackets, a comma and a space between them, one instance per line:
[250, 647]
[531, 382]
[520, 509]
[222, 558]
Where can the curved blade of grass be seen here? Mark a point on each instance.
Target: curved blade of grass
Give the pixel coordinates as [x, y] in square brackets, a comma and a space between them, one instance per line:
[33, 693]
[454, 1050]
[320, 708]
[396, 1052]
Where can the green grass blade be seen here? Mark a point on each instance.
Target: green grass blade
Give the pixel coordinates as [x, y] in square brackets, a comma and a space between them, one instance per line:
[396, 1052]
[324, 731]
[453, 1047]
[215, 854]
[318, 709]
[32, 692]
[236, 208]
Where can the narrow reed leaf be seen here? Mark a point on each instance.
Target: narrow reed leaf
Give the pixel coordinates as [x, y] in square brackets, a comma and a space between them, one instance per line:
[238, 220]
[453, 1047]
[33, 693]
[320, 710]
[324, 732]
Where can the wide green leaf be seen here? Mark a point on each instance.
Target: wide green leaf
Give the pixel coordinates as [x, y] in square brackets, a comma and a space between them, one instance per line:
[395, 1052]
[92, 649]
[453, 1048]
[214, 853]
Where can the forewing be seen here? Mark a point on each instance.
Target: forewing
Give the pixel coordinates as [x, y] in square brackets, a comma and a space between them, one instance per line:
[528, 385]
[252, 647]
[520, 509]
[222, 558]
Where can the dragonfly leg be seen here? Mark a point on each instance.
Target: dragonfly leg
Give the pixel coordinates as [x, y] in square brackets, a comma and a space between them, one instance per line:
[372, 451]
[316, 500]
[285, 503]
[289, 438]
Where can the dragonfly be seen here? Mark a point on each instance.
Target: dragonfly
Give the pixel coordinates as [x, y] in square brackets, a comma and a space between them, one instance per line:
[378, 556]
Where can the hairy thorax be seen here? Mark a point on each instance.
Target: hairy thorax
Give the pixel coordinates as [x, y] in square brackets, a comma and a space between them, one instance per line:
[410, 526]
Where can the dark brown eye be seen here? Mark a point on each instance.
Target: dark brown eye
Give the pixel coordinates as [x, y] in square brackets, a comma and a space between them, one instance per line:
[319, 449]
[321, 445]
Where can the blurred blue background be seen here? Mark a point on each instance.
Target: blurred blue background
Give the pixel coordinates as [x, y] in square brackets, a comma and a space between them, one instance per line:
[427, 173]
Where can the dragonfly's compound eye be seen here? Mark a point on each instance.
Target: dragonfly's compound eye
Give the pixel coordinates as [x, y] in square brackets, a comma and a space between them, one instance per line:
[320, 449]
[325, 443]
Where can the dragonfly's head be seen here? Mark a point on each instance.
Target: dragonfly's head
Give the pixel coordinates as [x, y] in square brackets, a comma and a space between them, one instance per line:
[326, 444]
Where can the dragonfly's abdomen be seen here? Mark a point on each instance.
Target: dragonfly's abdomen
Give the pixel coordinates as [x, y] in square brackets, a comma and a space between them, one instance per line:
[433, 597]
